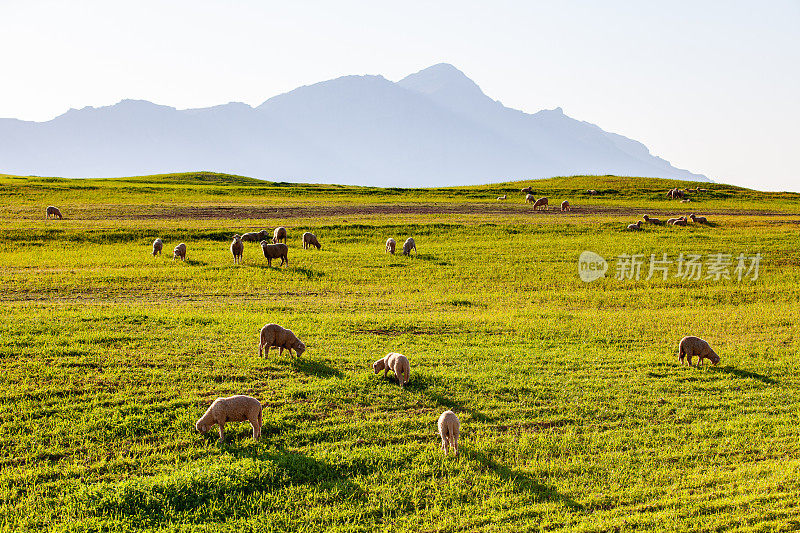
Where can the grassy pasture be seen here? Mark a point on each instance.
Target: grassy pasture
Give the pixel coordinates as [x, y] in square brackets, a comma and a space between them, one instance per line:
[575, 412]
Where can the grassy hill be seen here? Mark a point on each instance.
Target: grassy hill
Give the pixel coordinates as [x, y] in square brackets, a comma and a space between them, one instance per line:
[575, 412]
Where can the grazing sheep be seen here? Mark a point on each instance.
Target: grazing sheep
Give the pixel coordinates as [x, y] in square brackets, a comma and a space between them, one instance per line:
[231, 409]
[651, 220]
[256, 236]
[691, 346]
[526, 189]
[592, 192]
[501, 197]
[397, 363]
[675, 193]
[274, 251]
[530, 198]
[279, 235]
[179, 251]
[636, 226]
[409, 245]
[54, 212]
[541, 202]
[309, 240]
[273, 335]
[158, 245]
[698, 220]
[449, 427]
[237, 249]
[390, 245]
[565, 206]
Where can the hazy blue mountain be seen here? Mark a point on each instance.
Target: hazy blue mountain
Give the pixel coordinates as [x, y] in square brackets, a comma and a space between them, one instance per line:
[435, 127]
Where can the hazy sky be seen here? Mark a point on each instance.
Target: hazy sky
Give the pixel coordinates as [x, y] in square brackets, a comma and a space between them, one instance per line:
[711, 86]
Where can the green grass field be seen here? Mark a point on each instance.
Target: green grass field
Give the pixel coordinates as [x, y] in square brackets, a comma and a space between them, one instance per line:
[575, 412]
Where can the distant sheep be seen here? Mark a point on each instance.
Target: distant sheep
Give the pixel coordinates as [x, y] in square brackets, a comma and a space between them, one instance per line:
[53, 211]
[701, 190]
[636, 226]
[651, 220]
[592, 192]
[256, 236]
[275, 251]
[526, 190]
[397, 363]
[279, 235]
[231, 409]
[530, 198]
[698, 220]
[680, 222]
[237, 249]
[158, 245]
[686, 200]
[565, 206]
[449, 428]
[179, 251]
[309, 240]
[501, 197]
[671, 221]
[675, 193]
[541, 202]
[390, 245]
[275, 336]
[409, 245]
[691, 346]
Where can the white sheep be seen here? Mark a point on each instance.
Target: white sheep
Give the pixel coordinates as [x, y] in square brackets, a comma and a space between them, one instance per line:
[449, 428]
[237, 249]
[651, 220]
[256, 236]
[309, 240]
[390, 245]
[529, 198]
[231, 409]
[636, 226]
[526, 189]
[179, 251]
[397, 363]
[53, 211]
[698, 220]
[565, 206]
[158, 245]
[680, 222]
[409, 245]
[275, 336]
[501, 197]
[279, 235]
[541, 202]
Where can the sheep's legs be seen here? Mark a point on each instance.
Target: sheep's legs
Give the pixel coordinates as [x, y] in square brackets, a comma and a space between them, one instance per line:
[444, 445]
[222, 431]
[256, 429]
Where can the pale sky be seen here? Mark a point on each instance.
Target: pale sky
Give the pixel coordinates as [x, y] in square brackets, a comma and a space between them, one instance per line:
[711, 86]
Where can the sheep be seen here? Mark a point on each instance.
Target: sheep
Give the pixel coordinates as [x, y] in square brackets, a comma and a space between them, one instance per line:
[179, 251]
[691, 346]
[701, 190]
[449, 427]
[698, 220]
[675, 193]
[256, 236]
[636, 226]
[565, 206]
[309, 240]
[501, 197]
[273, 335]
[237, 249]
[526, 190]
[592, 192]
[409, 245]
[671, 221]
[530, 198]
[680, 222]
[686, 200]
[54, 212]
[651, 220]
[541, 202]
[279, 235]
[390, 245]
[158, 245]
[397, 363]
[274, 251]
[231, 409]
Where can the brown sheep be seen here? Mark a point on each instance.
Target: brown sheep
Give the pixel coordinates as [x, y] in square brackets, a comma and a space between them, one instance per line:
[530, 198]
[53, 211]
[275, 251]
[275, 336]
[565, 206]
[237, 249]
[397, 363]
[158, 245]
[231, 409]
[409, 245]
[449, 427]
[279, 235]
[541, 202]
[680, 222]
[651, 220]
[636, 226]
[592, 192]
[691, 346]
[526, 190]
[391, 244]
[309, 240]
[698, 220]
[256, 236]
[179, 251]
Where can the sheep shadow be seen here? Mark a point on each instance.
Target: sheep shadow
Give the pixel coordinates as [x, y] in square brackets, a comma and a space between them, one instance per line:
[309, 273]
[423, 385]
[315, 367]
[195, 262]
[522, 482]
[739, 373]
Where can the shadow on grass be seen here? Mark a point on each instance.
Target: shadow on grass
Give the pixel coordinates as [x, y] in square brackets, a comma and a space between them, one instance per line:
[739, 373]
[195, 262]
[522, 482]
[423, 384]
[309, 273]
[315, 367]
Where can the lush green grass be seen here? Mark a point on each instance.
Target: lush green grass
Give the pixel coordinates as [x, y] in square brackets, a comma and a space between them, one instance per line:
[575, 413]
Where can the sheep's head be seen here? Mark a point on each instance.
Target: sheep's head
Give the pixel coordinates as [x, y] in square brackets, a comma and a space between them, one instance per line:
[378, 365]
[237, 237]
[299, 347]
[714, 358]
[202, 427]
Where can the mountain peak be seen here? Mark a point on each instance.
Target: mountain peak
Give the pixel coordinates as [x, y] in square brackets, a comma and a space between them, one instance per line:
[440, 78]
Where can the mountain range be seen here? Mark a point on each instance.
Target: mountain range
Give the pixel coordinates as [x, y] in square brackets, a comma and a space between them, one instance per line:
[435, 127]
